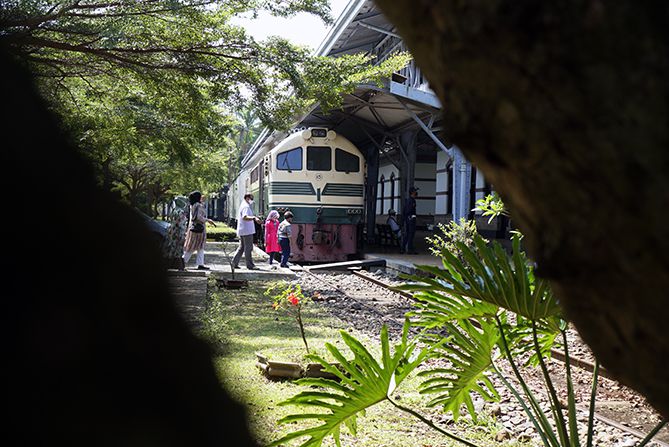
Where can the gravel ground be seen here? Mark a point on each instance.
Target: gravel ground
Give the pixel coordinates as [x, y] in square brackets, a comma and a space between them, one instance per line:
[367, 306]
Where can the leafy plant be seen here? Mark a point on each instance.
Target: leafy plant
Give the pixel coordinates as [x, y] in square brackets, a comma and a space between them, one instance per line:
[463, 231]
[483, 306]
[363, 382]
[492, 306]
[290, 299]
[491, 206]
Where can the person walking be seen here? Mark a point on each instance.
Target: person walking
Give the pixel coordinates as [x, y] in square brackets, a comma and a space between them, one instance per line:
[409, 212]
[245, 230]
[271, 235]
[284, 237]
[196, 236]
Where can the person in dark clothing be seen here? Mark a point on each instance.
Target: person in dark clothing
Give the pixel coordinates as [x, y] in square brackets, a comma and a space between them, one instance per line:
[409, 212]
[284, 234]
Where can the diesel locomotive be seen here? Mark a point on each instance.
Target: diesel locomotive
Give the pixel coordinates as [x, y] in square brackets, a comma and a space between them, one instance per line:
[319, 176]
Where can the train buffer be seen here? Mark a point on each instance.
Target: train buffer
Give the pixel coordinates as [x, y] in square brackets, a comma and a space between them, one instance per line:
[363, 263]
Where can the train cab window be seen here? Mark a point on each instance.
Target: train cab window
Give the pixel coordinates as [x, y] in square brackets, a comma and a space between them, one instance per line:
[346, 161]
[290, 160]
[319, 158]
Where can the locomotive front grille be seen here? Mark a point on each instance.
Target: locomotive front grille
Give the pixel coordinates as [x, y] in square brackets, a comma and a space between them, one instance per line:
[342, 189]
[292, 188]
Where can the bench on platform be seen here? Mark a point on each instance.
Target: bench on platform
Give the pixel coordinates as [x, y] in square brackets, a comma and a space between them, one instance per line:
[385, 236]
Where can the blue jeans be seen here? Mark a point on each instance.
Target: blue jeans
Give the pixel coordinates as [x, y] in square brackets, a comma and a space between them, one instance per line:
[285, 250]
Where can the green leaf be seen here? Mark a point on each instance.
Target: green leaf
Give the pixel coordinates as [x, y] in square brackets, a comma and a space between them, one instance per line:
[471, 357]
[364, 382]
[487, 274]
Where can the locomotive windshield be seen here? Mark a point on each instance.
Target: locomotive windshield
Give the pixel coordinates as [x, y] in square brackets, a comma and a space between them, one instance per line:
[290, 160]
[319, 158]
[346, 162]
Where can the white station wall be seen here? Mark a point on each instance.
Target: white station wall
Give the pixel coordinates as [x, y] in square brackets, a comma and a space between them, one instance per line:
[425, 175]
[442, 187]
[387, 196]
[388, 189]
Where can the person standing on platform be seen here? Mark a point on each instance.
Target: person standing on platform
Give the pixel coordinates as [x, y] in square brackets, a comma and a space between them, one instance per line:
[285, 232]
[271, 237]
[196, 236]
[173, 244]
[409, 212]
[245, 230]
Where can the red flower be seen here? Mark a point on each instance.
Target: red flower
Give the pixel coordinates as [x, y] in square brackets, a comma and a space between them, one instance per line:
[293, 299]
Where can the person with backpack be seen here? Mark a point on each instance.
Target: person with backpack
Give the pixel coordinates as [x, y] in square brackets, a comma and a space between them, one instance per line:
[196, 236]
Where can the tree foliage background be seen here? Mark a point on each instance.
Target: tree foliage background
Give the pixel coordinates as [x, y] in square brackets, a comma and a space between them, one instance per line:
[163, 94]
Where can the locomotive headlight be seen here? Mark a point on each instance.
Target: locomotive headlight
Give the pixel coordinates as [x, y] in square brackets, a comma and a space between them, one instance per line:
[319, 133]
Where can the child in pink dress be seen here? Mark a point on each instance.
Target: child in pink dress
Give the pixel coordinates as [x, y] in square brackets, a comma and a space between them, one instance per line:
[271, 238]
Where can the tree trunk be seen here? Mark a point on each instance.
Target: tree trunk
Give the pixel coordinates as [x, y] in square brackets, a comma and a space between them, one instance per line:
[564, 107]
[107, 176]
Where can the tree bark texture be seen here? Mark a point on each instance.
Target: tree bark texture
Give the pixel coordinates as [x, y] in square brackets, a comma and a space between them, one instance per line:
[564, 107]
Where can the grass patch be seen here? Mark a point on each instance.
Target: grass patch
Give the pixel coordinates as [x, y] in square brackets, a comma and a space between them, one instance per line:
[240, 323]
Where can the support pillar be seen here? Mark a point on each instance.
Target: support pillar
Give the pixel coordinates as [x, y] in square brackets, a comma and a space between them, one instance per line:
[407, 142]
[372, 159]
[462, 174]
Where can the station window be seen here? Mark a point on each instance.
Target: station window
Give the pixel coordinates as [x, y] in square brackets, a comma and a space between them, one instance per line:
[290, 160]
[346, 162]
[254, 174]
[319, 158]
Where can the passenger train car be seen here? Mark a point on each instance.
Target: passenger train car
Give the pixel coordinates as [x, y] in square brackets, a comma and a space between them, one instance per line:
[317, 175]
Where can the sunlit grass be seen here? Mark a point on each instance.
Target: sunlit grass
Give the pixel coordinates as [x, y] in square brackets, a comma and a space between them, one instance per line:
[241, 323]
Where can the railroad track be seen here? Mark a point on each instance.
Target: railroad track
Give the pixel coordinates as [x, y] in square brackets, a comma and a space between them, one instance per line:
[363, 299]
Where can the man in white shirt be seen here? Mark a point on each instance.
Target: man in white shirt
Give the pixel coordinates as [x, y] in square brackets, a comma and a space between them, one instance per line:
[245, 230]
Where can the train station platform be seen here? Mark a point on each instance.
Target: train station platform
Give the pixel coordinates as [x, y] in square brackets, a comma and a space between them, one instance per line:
[403, 263]
[218, 256]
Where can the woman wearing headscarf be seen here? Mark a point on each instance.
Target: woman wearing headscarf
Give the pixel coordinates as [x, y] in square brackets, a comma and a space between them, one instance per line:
[271, 238]
[196, 236]
[173, 245]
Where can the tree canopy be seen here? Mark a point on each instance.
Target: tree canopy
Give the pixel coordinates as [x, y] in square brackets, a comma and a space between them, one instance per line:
[159, 83]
